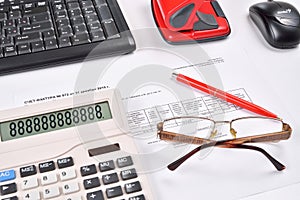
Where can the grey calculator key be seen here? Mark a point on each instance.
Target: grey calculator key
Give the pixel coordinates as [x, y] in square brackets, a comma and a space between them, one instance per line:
[91, 183]
[106, 166]
[110, 178]
[8, 189]
[133, 187]
[97, 195]
[114, 192]
[124, 161]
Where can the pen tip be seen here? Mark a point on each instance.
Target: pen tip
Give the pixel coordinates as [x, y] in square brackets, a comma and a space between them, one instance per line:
[174, 74]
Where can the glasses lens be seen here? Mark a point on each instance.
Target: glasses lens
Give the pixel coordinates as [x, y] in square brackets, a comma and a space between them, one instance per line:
[190, 126]
[255, 126]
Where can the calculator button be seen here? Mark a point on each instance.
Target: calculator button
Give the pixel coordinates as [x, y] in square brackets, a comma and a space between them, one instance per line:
[49, 178]
[28, 171]
[52, 192]
[7, 175]
[67, 174]
[114, 192]
[8, 189]
[110, 178]
[133, 187]
[128, 174]
[139, 197]
[91, 183]
[74, 198]
[32, 195]
[124, 162]
[29, 183]
[70, 188]
[46, 167]
[98, 195]
[11, 198]
[88, 170]
[106, 166]
[65, 162]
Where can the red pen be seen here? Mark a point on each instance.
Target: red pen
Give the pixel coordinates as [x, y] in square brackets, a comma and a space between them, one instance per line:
[223, 95]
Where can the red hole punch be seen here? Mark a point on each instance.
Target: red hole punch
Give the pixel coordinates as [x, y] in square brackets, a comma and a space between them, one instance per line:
[184, 21]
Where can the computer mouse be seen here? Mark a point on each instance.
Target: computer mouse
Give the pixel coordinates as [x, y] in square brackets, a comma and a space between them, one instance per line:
[279, 23]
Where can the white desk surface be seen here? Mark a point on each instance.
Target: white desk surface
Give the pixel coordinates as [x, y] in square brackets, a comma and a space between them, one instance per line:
[281, 68]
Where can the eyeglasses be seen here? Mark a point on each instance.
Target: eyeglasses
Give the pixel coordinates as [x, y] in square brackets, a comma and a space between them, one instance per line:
[205, 132]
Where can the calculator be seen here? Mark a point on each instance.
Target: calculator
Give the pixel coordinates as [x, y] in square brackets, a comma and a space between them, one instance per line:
[73, 148]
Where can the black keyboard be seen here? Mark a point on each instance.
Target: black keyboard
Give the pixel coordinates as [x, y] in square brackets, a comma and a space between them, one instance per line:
[41, 33]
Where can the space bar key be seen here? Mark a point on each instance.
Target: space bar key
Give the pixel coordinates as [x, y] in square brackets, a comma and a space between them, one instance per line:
[28, 38]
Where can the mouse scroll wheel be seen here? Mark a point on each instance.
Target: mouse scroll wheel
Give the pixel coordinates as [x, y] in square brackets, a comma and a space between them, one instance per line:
[288, 21]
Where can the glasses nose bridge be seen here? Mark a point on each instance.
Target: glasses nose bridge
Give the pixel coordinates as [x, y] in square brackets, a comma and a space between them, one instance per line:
[223, 122]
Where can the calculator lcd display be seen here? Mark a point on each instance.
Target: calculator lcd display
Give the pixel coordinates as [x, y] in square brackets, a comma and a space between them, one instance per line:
[53, 121]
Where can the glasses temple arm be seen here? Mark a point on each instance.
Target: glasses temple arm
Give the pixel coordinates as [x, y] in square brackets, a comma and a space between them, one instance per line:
[181, 160]
[174, 165]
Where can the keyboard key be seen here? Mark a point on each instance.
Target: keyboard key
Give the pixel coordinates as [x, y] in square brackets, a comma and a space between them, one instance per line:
[97, 36]
[114, 192]
[3, 16]
[139, 197]
[24, 48]
[78, 29]
[86, 3]
[106, 166]
[43, 26]
[27, 38]
[61, 15]
[88, 10]
[64, 42]
[91, 18]
[133, 187]
[80, 39]
[91, 183]
[7, 175]
[40, 18]
[75, 13]
[65, 31]
[37, 46]
[124, 161]
[65, 162]
[62, 23]
[100, 2]
[46, 166]
[23, 21]
[70, 188]
[14, 14]
[97, 195]
[8, 23]
[104, 13]
[12, 31]
[77, 20]
[110, 178]
[110, 29]
[48, 34]
[73, 6]
[51, 44]
[6, 41]
[128, 174]
[35, 11]
[8, 189]
[28, 171]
